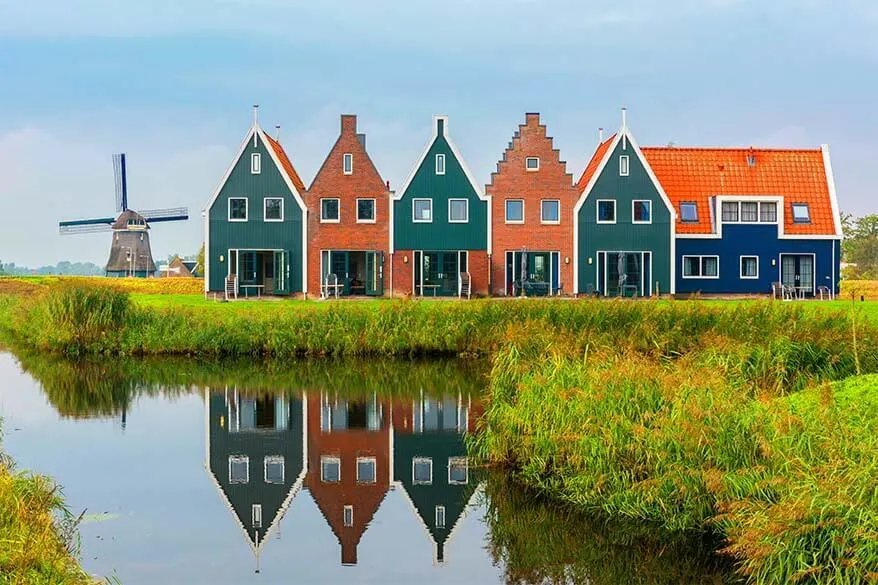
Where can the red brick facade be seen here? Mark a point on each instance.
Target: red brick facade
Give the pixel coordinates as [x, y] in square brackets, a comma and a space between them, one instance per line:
[363, 181]
[513, 180]
[403, 276]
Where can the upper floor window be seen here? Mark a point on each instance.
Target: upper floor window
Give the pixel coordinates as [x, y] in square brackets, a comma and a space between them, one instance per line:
[366, 469]
[532, 163]
[440, 164]
[365, 210]
[274, 208]
[623, 165]
[274, 469]
[606, 210]
[801, 213]
[550, 211]
[255, 163]
[330, 469]
[237, 209]
[458, 210]
[348, 163]
[749, 211]
[641, 211]
[329, 210]
[768, 212]
[458, 470]
[689, 211]
[515, 211]
[422, 210]
[239, 469]
[730, 211]
[422, 470]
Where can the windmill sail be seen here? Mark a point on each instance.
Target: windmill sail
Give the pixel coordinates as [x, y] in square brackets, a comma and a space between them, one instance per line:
[85, 226]
[169, 214]
[121, 175]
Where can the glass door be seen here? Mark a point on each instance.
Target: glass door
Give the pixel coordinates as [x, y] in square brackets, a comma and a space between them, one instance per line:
[623, 274]
[797, 272]
[375, 274]
[430, 274]
[340, 266]
[281, 273]
[450, 275]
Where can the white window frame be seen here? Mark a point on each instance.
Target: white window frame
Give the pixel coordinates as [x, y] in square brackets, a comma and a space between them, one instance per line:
[348, 516]
[436, 522]
[506, 212]
[246, 209]
[417, 460]
[265, 209]
[777, 206]
[597, 211]
[440, 158]
[414, 217]
[329, 459]
[532, 169]
[543, 218]
[624, 165]
[807, 209]
[239, 459]
[283, 467]
[701, 258]
[458, 460]
[466, 220]
[722, 218]
[256, 515]
[255, 163]
[347, 163]
[693, 204]
[634, 219]
[374, 210]
[374, 463]
[741, 267]
[741, 213]
[337, 219]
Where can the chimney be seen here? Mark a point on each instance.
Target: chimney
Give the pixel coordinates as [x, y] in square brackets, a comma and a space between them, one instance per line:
[751, 158]
[532, 117]
[277, 132]
[624, 117]
[362, 139]
[440, 123]
[600, 135]
[388, 184]
[348, 123]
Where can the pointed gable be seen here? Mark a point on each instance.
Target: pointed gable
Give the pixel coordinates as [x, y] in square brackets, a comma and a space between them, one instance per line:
[364, 174]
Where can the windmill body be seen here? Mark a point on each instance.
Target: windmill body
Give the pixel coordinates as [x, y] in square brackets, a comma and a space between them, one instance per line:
[130, 252]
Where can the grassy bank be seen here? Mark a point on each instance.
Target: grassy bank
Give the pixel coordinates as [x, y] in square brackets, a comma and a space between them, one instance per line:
[37, 533]
[711, 440]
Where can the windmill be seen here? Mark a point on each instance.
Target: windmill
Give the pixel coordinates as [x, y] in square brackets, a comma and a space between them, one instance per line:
[130, 254]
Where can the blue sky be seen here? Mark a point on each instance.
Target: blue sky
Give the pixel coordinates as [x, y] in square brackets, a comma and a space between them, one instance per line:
[172, 83]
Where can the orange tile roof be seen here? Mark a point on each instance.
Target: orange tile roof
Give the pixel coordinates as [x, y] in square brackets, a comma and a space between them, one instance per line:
[697, 174]
[594, 163]
[286, 164]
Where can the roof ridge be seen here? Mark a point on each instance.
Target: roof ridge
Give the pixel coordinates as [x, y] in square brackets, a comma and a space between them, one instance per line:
[733, 148]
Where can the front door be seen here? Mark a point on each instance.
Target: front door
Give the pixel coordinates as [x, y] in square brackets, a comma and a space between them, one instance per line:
[437, 273]
[375, 274]
[339, 264]
[624, 274]
[797, 271]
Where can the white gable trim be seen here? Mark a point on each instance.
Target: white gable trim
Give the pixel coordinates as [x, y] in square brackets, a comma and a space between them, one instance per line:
[833, 194]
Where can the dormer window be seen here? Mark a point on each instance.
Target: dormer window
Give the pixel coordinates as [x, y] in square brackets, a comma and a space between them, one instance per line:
[624, 163]
[440, 164]
[348, 163]
[255, 163]
[801, 213]
[532, 163]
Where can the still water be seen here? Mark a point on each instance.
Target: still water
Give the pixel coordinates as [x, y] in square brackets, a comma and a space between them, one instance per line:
[313, 473]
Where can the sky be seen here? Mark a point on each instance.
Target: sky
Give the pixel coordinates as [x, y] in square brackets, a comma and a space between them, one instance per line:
[172, 84]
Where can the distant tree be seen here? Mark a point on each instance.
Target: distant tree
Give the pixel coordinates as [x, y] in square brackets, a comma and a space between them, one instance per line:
[200, 258]
[2, 271]
[860, 246]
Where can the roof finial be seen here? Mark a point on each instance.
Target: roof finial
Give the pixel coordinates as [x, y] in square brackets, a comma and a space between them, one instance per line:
[624, 118]
[277, 132]
[600, 135]
[255, 114]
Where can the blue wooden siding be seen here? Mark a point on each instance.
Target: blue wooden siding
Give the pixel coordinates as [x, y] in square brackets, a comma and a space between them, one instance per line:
[754, 240]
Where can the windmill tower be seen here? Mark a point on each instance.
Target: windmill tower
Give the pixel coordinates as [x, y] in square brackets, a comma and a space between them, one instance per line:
[130, 253]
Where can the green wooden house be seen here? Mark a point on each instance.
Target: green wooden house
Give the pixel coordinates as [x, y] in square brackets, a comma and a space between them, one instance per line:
[440, 224]
[624, 224]
[255, 236]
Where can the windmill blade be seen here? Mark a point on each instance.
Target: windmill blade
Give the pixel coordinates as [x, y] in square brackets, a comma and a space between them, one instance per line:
[169, 214]
[120, 174]
[85, 226]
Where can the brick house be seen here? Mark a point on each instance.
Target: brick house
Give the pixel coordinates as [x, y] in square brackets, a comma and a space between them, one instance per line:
[532, 199]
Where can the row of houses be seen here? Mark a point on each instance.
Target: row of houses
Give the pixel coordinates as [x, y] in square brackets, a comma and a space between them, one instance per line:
[640, 221]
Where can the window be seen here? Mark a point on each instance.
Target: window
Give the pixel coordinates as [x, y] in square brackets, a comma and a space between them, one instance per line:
[330, 469]
[256, 515]
[730, 211]
[749, 211]
[255, 163]
[274, 208]
[641, 211]
[440, 516]
[422, 470]
[237, 209]
[458, 470]
[532, 163]
[440, 164]
[768, 212]
[515, 211]
[329, 210]
[623, 165]
[458, 210]
[606, 211]
[700, 266]
[239, 469]
[348, 516]
[689, 211]
[749, 266]
[550, 211]
[274, 469]
[365, 210]
[366, 469]
[801, 213]
[422, 210]
[348, 163]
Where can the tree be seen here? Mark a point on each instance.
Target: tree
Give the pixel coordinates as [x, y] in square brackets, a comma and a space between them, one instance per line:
[200, 259]
[860, 246]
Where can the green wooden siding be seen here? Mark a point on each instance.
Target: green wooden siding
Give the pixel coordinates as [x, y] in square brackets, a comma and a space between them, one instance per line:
[440, 234]
[255, 233]
[624, 235]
